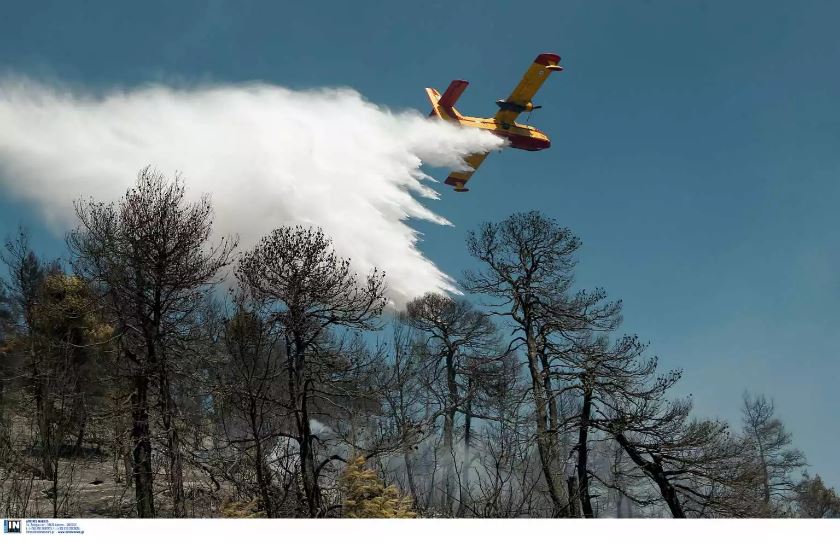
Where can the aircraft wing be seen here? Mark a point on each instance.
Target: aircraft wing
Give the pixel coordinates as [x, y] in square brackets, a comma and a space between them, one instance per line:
[459, 179]
[521, 96]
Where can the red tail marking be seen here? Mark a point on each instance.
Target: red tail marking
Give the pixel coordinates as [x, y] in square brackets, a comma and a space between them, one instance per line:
[547, 59]
[451, 95]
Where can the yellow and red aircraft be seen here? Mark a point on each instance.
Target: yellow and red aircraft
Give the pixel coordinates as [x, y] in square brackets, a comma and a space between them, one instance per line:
[503, 123]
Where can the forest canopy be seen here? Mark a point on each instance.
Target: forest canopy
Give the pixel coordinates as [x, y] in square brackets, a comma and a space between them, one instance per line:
[161, 371]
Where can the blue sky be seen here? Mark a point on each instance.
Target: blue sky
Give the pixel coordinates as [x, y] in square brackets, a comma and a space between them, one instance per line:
[694, 150]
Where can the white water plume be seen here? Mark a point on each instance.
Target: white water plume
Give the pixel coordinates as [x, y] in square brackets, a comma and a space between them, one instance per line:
[268, 156]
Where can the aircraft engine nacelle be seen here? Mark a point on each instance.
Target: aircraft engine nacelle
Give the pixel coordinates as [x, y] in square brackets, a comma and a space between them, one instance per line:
[516, 107]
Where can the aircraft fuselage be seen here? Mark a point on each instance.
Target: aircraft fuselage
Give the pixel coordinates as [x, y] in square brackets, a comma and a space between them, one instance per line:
[520, 136]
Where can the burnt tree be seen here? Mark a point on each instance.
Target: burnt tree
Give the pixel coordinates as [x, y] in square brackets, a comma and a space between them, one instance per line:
[150, 256]
[308, 290]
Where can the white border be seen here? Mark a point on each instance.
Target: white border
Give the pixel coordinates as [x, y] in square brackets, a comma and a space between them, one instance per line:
[454, 534]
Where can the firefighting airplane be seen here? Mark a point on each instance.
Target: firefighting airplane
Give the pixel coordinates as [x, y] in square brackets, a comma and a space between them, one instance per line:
[502, 124]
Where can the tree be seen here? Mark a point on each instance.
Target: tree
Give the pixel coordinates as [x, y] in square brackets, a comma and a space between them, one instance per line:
[528, 262]
[508, 476]
[308, 290]
[697, 466]
[770, 445]
[26, 277]
[6, 335]
[460, 338]
[367, 497]
[68, 334]
[605, 376]
[404, 400]
[247, 389]
[149, 256]
[282, 400]
[815, 500]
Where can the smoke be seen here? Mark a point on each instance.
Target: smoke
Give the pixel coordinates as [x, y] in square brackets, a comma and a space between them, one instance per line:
[268, 156]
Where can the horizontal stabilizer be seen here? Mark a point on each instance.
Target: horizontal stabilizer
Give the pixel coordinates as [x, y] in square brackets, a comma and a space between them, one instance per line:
[459, 179]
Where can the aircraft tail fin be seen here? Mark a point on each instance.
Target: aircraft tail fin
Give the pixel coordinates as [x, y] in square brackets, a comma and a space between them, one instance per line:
[434, 98]
[452, 93]
[444, 105]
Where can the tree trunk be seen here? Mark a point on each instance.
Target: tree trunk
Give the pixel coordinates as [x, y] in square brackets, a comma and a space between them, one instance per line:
[765, 476]
[173, 446]
[449, 430]
[574, 501]
[44, 422]
[409, 474]
[307, 465]
[464, 482]
[553, 414]
[3, 427]
[583, 452]
[654, 472]
[298, 396]
[545, 439]
[263, 476]
[142, 454]
[128, 469]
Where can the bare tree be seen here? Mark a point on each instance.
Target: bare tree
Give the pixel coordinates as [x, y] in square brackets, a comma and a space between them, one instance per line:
[403, 399]
[150, 256]
[308, 290]
[252, 405]
[247, 389]
[605, 376]
[528, 262]
[462, 340]
[697, 466]
[775, 458]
